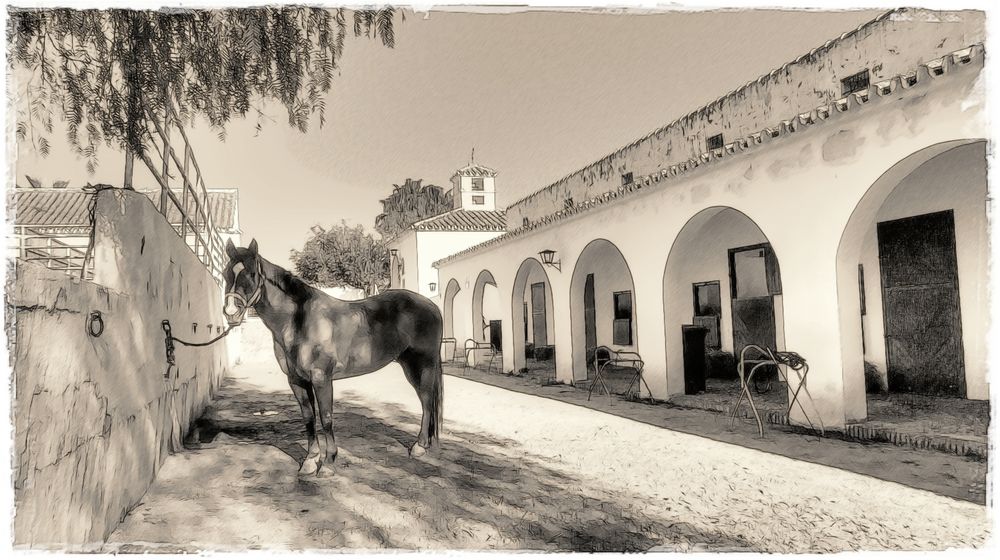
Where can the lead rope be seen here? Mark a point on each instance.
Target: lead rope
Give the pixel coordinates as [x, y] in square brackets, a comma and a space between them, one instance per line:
[169, 340]
[169, 337]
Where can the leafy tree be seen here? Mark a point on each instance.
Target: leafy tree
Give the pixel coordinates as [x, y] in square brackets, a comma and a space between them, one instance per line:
[343, 255]
[410, 203]
[100, 70]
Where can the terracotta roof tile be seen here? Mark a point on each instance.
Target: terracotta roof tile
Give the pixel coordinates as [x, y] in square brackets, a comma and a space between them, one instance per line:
[476, 170]
[70, 207]
[464, 220]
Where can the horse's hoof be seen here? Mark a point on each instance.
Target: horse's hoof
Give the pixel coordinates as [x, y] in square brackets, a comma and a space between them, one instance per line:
[309, 466]
[417, 450]
[324, 472]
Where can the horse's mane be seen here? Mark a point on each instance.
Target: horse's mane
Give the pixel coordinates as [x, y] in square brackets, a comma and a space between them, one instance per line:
[284, 280]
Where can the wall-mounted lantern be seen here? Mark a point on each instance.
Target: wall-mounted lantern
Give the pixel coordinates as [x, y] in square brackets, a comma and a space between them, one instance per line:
[548, 259]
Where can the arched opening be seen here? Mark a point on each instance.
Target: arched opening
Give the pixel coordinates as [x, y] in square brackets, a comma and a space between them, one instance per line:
[450, 350]
[531, 307]
[602, 309]
[912, 284]
[486, 310]
[721, 292]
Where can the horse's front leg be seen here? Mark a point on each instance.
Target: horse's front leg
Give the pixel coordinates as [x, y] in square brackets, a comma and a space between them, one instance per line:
[307, 405]
[323, 388]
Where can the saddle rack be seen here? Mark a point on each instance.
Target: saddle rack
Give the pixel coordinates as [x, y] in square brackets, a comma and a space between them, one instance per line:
[782, 361]
[604, 356]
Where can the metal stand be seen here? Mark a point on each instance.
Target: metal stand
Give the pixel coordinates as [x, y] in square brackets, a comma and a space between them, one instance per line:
[454, 345]
[470, 349]
[622, 359]
[782, 361]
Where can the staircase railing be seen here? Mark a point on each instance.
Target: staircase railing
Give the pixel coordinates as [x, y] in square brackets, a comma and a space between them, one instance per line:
[184, 198]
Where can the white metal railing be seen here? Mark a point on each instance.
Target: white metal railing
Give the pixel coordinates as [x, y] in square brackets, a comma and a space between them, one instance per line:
[56, 251]
[186, 204]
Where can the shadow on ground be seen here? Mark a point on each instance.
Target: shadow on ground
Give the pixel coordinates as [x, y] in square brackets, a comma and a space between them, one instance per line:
[959, 477]
[473, 492]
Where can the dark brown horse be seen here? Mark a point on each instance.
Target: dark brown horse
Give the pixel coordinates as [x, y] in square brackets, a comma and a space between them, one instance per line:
[318, 338]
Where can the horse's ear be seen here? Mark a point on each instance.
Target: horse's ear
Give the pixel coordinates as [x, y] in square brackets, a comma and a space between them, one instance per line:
[253, 246]
[230, 249]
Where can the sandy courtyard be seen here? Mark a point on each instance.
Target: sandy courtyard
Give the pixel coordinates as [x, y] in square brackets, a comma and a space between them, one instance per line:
[514, 472]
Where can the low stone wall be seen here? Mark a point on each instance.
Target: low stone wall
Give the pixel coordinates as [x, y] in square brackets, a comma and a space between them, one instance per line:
[95, 416]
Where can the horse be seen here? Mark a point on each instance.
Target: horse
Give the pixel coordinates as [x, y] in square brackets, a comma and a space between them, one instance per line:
[318, 338]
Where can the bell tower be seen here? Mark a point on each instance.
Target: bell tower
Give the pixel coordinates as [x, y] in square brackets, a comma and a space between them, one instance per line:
[474, 188]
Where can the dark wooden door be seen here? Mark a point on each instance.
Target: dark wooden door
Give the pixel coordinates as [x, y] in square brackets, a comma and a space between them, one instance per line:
[495, 336]
[525, 315]
[923, 325]
[539, 328]
[753, 323]
[754, 280]
[589, 316]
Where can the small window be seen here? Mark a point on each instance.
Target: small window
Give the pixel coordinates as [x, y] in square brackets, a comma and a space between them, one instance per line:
[568, 203]
[524, 222]
[477, 183]
[714, 142]
[623, 319]
[627, 178]
[856, 82]
[707, 300]
[754, 272]
[479, 200]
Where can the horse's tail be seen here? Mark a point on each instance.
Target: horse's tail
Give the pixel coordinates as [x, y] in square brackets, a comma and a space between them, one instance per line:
[437, 402]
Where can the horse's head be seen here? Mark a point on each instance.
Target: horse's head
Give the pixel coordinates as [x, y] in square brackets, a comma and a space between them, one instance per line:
[244, 277]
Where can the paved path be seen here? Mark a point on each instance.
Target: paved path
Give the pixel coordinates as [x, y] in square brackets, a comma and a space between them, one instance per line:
[515, 471]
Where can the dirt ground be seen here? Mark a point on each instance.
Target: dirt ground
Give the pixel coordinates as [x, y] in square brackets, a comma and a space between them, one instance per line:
[514, 471]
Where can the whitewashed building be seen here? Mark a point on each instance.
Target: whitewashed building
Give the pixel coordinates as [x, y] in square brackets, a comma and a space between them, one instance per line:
[835, 207]
[473, 220]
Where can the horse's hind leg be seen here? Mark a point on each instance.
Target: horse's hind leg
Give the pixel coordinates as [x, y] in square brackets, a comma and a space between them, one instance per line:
[323, 388]
[424, 374]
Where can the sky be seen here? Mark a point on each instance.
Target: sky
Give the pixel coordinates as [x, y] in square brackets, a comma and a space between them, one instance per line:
[537, 94]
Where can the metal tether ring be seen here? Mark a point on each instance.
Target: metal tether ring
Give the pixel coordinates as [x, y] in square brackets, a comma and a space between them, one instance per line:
[95, 325]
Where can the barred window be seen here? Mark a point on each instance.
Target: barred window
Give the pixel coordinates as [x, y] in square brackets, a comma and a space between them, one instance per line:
[714, 142]
[855, 82]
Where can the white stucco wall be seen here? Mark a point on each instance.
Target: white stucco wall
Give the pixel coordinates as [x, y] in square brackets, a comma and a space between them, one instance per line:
[800, 187]
[491, 304]
[346, 293]
[431, 246]
[701, 254]
[97, 414]
[447, 302]
[536, 275]
[408, 276]
[611, 274]
[464, 193]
